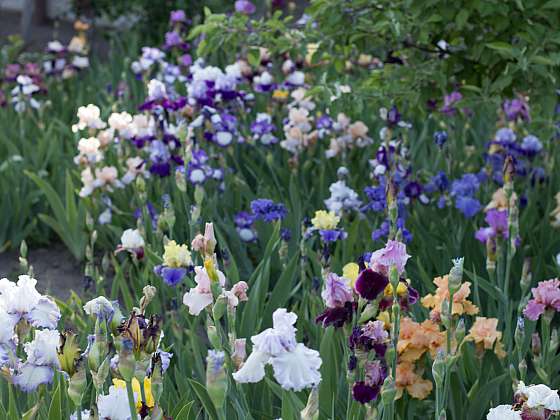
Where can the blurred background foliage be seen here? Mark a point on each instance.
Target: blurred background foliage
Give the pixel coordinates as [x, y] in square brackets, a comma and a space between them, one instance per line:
[405, 53]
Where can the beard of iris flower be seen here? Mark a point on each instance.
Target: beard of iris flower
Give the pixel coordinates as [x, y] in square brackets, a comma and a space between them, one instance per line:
[370, 284]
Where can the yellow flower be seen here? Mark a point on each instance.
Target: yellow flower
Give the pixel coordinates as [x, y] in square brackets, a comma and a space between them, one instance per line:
[384, 316]
[119, 383]
[211, 270]
[325, 220]
[175, 255]
[401, 289]
[311, 50]
[280, 94]
[351, 272]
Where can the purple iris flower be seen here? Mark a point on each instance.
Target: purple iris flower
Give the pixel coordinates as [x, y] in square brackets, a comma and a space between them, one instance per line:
[336, 316]
[177, 16]
[245, 7]
[413, 189]
[268, 210]
[516, 109]
[393, 116]
[363, 393]
[244, 219]
[285, 234]
[173, 276]
[531, 145]
[332, 235]
[370, 284]
[468, 206]
[440, 138]
[172, 39]
[449, 102]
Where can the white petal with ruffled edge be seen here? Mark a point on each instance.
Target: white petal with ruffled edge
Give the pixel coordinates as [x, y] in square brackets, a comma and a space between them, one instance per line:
[25, 296]
[503, 412]
[197, 301]
[284, 321]
[30, 376]
[42, 350]
[273, 342]
[115, 405]
[7, 325]
[45, 314]
[297, 369]
[539, 396]
[253, 368]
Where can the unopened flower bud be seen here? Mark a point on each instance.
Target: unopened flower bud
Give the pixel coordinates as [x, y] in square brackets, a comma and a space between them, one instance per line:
[23, 249]
[444, 314]
[456, 275]
[554, 341]
[98, 351]
[239, 352]
[389, 391]
[77, 383]
[90, 223]
[520, 332]
[311, 410]
[522, 369]
[216, 380]
[149, 294]
[100, 376]
[213, 336]
[509, 171]
[512, 373]
[156, 377]
[526, 276]
[491, 255]
[438, 369]
[460, 331]
[198, 195]
[219, 308]
[210, 239]
[536, 344]
[127, 364]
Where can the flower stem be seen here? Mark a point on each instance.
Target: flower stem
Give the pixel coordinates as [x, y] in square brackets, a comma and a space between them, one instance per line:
[131, 402]
[143, 392]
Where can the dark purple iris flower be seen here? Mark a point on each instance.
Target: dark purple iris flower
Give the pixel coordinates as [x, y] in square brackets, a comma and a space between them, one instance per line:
[413, 189]
[364, 393]
[370, 284]
[337, 316]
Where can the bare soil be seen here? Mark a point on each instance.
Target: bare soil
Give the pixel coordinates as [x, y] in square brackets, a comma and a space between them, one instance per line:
[55, 269]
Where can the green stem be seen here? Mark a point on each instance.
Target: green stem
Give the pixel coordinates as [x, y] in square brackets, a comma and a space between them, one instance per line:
[79, 413]
[142, 392]
[131, 402]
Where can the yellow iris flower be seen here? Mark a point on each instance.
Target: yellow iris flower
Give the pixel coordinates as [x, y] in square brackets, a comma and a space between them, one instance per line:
[351, 272]
[325, 220]
[176, 255]
[119, 383]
